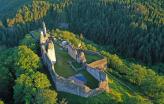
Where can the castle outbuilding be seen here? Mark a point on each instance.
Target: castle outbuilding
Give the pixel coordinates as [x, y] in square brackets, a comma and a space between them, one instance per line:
[76, 54]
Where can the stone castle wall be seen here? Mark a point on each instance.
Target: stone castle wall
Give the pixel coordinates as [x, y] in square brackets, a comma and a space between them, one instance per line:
[100, 76]
[96, 70]
[97, 74]
[62, 84]
[72, 52]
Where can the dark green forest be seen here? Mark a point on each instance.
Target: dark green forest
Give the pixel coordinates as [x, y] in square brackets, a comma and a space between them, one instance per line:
[132, 29]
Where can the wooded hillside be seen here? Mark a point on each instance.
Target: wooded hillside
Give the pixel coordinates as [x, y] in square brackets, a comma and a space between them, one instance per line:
[134, 28]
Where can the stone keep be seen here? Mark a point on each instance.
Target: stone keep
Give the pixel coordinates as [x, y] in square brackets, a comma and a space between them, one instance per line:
[48, 43]
[51, 51]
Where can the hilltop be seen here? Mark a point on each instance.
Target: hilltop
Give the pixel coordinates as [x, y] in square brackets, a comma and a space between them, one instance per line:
[129, 34]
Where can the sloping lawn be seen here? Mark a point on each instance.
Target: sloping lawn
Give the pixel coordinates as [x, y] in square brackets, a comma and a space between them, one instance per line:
[76, 65]
[92, 57]
[62, 67]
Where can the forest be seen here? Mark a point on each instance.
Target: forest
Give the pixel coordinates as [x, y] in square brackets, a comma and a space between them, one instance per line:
[130, 33]
[134, 28]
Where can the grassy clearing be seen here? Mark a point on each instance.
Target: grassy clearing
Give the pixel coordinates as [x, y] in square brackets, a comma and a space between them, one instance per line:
[91, 57]
[91, 81]
[76, 65]
[62, 67]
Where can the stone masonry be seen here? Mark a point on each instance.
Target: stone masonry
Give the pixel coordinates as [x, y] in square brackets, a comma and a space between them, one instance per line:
[67, 85]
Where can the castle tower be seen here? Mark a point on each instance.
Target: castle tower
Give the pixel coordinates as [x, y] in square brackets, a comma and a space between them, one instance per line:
[44, 29]
[51, 51]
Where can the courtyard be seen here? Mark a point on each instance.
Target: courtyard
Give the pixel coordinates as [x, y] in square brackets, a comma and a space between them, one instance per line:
[62, 66]
[67, 67]
[92, 57]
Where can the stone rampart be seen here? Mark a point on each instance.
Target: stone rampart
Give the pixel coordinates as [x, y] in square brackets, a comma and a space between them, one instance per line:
[62, 84]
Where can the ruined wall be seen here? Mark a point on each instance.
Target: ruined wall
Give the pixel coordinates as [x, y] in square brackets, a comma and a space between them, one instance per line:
[100, 76]
[70, 86]
[93, 72]
[51, 52]
[72, 52]
[97, 74]
[66, 85]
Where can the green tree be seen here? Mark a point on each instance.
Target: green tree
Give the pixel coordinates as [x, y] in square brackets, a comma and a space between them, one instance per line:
[7, 71]
[137, 100]
[23, 89]
[153, 86]
[159, 99]
[46, 96]
[27, 60]
[63, 101]
[5, 81]
[40, 80]
[1, 102]
[32, 87]
[137, 75]
[29, 42]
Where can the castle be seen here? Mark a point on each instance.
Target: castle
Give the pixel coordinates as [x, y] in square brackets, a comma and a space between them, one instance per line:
[71, 85]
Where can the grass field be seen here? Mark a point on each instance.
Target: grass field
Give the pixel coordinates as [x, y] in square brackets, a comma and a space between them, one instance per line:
[76, 65]
[62, 67]
[91, 57]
